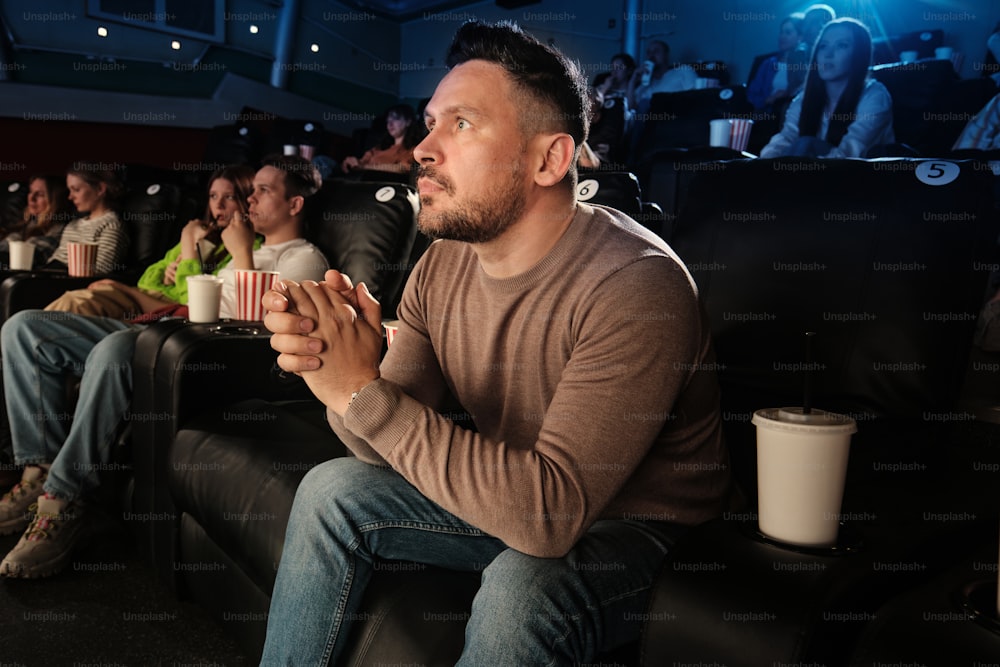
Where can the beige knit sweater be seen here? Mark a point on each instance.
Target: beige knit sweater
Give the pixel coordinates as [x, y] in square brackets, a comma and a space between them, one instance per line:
[589, 379]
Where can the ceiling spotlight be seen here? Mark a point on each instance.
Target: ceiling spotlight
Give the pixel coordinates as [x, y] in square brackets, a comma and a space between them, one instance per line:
[175, 45]
[254, 30]
[102, 31]
[314, 48]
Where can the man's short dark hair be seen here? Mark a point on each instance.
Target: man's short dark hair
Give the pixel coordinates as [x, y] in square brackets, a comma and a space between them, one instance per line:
[556, 89]
[302, 178]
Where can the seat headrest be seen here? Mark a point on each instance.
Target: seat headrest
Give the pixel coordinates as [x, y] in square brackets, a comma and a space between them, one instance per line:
[366, 230]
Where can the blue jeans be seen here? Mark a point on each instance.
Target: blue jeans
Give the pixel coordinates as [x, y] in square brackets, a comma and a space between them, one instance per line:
[39, 350]
[348, 515]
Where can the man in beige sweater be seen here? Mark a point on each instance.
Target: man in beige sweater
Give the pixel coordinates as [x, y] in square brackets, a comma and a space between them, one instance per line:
[573, 340]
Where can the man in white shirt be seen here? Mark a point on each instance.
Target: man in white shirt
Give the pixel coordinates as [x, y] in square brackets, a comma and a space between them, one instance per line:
[663, 78]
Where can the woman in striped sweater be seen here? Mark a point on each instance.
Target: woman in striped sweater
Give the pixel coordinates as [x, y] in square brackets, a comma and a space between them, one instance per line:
[95, 193]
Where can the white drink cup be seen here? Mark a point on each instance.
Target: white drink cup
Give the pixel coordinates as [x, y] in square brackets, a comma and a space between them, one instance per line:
[908, 57]
[250, 289]
[801, 469]
[647, 72]
[204, 297]
[22, 255]
[719, 131]
[943, 53]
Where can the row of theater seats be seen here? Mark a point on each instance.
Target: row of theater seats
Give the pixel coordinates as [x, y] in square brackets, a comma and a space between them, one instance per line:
[153, 211]
[931, 106]
[886, 260]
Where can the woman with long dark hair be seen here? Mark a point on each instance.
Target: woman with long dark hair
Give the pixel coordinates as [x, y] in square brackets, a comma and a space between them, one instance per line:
[841, 112]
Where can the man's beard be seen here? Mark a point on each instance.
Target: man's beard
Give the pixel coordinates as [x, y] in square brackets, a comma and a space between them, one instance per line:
[478, 220]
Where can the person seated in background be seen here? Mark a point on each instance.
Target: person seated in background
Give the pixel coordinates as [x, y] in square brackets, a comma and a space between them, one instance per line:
[622, 68]
[775, 83]
[95, 193]
[661, 79]
[991, 63]
[814, 19]
[982, 132]
[394, 151]
[588, 158]
[841, 112]
[565, 504]
[610, 121]
[62, 457]
[164, 283]
[45, 216]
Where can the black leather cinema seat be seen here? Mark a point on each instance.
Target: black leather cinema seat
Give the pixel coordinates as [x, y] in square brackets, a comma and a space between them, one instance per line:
[358, 225]
[182, 370]
[680, 120]
[885, 260]
[951, 620]
[890, 277]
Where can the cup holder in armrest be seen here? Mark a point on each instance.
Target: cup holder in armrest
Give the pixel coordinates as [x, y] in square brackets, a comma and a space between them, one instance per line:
[848, 541]
[238, 329]
[978, 600]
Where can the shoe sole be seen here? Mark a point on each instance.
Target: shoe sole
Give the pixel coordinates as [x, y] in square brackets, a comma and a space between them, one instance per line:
[36, 572]
[50, 567]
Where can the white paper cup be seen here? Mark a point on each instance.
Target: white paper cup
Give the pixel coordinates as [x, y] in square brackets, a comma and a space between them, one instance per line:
[801, 469]
[391, 327]
[943, 53]
[250, 289]
[647, 72]
[719, 131]
[908, 56]
[739, 133]
[204, 297]
[22, 255]
[82, 258]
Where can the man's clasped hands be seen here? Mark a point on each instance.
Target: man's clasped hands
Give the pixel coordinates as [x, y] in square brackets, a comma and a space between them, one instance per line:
[329, 332]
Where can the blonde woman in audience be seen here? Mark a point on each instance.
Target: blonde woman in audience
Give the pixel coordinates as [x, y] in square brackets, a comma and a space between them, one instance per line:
[95, 193]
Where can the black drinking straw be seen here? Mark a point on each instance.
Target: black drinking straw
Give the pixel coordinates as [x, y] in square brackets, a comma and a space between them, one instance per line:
[807, 379]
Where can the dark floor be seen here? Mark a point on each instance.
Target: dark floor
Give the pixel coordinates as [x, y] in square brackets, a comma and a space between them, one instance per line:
[105, 609]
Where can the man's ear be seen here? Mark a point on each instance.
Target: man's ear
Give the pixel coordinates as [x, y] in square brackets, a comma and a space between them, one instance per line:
[296, 203]
[558, 152]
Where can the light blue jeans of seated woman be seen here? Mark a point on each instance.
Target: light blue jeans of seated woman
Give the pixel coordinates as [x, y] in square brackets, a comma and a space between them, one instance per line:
[39, 349]
[349, 517]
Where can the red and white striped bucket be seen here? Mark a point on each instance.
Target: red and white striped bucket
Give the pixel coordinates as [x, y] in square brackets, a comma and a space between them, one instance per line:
[739, 134]
[82, 258]
[250, 289]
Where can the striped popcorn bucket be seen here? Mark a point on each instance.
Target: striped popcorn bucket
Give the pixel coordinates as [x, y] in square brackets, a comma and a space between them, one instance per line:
[82, 257]
[740, 133]
[250, 289]
[391, 327]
